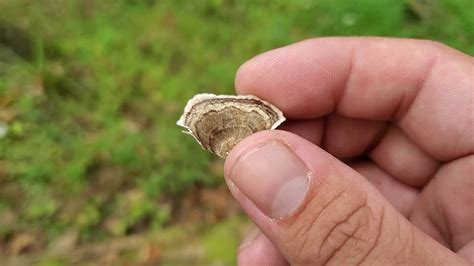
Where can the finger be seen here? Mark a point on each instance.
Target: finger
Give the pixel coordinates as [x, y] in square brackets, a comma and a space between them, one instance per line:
[350, 137]
[423, 86]
[401, 196]
[467, 251]
[311, 129]
[316, 210]
[444, 208]
[402, 159]
[256, 249]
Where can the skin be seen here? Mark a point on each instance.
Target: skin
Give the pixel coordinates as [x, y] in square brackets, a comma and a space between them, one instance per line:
[393, 120]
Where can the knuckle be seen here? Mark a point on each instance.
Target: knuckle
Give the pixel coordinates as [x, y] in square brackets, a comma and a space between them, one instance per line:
[351, 239]
[304, 232]
[343, 229]
[405, 248]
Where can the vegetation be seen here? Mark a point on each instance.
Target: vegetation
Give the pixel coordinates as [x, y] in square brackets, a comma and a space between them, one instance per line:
[90, 91]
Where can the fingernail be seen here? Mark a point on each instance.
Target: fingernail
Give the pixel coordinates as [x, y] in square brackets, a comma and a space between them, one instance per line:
[273, 178]
[248, 240]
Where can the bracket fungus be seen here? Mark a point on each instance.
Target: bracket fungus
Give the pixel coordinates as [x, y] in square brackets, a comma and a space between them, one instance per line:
[219, 122]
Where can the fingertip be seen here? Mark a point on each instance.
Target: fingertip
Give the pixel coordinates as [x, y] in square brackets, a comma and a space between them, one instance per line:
[250, 72]
[243, 77]
[266, 169]
[253, 141]
[300, 82]
[244, 147]
[304, 148]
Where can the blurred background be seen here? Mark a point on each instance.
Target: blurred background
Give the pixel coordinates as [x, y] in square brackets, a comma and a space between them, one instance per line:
[93, 169]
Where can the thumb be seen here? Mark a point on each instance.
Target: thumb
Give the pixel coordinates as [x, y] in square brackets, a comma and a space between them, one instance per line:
[317, 210]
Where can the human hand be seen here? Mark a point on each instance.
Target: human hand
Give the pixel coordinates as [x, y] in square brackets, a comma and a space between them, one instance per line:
[378, 168]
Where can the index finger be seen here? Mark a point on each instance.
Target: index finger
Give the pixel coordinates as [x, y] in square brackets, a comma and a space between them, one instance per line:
[424, 86]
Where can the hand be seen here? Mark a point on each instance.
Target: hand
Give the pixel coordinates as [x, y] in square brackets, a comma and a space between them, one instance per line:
[375, 165]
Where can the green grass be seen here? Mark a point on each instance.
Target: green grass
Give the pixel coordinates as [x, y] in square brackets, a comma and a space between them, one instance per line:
[90, 92]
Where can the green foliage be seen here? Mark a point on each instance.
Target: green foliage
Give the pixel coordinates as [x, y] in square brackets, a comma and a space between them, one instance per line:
[90, 92]
[221, 242]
